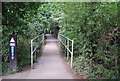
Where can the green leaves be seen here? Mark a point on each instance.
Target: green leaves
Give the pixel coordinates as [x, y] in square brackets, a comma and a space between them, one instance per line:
[26, 20]
[23, 20]
[93, 26]
[90, 24]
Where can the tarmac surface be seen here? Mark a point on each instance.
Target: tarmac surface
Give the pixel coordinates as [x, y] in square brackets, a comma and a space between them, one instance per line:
[50, 65]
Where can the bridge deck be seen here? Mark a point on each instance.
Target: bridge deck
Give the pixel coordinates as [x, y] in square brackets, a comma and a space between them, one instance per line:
[50, 65]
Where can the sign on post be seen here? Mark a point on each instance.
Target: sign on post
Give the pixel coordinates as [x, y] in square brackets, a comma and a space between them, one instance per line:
[13, 53]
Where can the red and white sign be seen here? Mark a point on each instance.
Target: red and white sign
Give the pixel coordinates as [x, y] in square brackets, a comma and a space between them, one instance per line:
[12, 44]
[12, 40]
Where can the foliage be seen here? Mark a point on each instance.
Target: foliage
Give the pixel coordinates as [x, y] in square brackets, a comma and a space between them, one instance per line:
[93, 26]
[95, 30]
[25, 20]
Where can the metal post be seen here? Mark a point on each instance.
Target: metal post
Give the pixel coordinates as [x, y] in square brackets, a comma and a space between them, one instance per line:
[58, 36]
[59, 40]
[72, 55]
[31, 54]
[67, 50]
[43, 39]
[35, 55]
[64, 47]
[35, 42]
[39, 40]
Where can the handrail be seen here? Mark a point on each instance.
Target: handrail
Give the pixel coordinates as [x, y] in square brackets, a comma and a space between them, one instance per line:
[35, 43]
[65, 37]
[61, 38]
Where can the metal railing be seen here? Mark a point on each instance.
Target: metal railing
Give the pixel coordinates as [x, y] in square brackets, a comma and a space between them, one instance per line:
[65, 41]
[35, 44]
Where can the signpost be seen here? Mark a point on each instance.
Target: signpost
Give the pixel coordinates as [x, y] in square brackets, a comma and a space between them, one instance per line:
[13, 53]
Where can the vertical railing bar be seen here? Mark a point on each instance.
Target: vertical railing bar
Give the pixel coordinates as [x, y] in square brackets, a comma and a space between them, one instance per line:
[64, 47]
[35, 56]
[43, 39]
[36, 44]
[72, 54]
[67, 46]
[67, 50]
[31, 54]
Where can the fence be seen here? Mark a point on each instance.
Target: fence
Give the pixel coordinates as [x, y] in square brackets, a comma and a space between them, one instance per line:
[65, 41]
[35, 44]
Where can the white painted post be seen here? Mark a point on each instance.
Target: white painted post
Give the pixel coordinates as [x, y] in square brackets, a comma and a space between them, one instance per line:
[67, 50]
[36, 41]
[64, 47]
[43, 38]
[35, 55]
[58, 40]
[31, 54]
[72, 54]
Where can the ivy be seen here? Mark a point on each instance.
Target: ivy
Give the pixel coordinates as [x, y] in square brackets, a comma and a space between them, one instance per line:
[26, 20]
[94, 28]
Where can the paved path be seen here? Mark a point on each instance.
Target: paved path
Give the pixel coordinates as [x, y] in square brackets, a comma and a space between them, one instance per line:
[49, 66]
